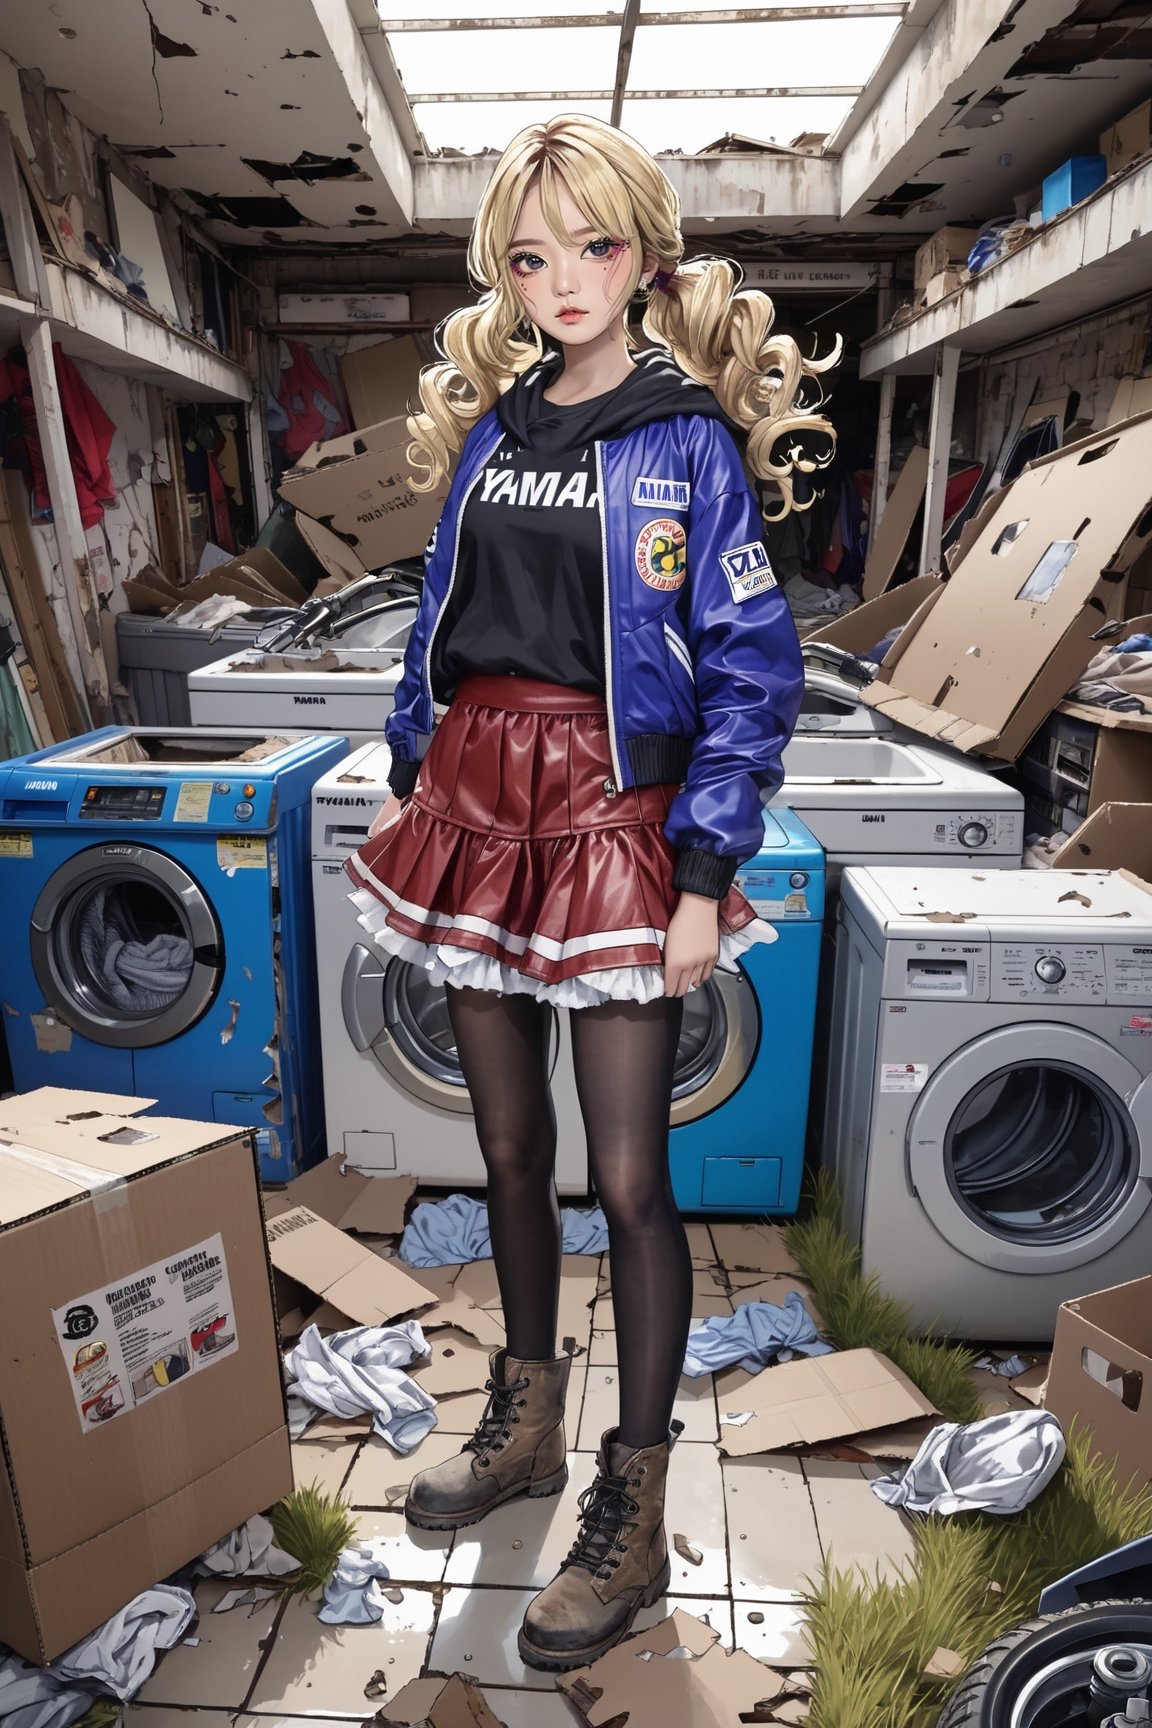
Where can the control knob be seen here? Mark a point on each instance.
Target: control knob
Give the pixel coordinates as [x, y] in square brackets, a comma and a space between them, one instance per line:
[1050, 969]
[972, 835]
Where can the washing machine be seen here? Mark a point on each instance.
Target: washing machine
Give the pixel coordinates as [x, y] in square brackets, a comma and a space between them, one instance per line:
[157, 894]
[395, 1094]
[989, 1111]
[832, 704]
[888, 800]
[349, 691]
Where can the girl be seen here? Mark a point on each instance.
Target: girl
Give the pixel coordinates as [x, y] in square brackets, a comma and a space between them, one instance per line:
[622, 674]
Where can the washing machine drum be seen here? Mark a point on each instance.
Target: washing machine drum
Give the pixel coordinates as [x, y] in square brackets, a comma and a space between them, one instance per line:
[126, 946]
[1025, 1151]
[392, 1009]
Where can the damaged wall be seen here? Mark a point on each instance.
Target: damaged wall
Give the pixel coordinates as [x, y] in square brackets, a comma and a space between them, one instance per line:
[126, 540]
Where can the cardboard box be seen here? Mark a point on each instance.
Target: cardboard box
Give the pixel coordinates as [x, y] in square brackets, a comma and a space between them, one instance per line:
[1038, 570]
[256, 576]
[141, 1407]
[1083, 758]
[944, 282]
[866, 626]
[381, 380]
[1100, 1378]
[1116, 837]
[1129, 139]
[1075, 179]
[358, 487]
[948, 249]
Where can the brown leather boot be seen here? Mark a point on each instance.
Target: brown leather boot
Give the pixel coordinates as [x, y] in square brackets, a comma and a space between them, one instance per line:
[617, 1565]
[518, 1447]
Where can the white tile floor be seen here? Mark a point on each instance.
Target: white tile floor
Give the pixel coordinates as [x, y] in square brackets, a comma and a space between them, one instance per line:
[760, 1527]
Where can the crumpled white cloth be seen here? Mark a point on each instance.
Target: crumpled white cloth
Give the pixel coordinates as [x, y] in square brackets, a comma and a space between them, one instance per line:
[114, 1660]
[249, 1550]
[362, 1370]
[352, 1595]
[999, 1464]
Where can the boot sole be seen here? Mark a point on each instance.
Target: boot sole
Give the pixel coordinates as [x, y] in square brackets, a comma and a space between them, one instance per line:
[541, 1490]
[561, 1661]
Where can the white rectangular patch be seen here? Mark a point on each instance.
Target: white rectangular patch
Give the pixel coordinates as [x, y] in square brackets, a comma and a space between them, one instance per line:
[668, 494]
[748, 570]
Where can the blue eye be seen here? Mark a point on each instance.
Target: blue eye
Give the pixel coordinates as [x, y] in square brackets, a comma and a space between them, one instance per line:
[605, 248]
[526, 263]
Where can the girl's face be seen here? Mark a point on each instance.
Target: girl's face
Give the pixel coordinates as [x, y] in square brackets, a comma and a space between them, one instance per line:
[576, 290]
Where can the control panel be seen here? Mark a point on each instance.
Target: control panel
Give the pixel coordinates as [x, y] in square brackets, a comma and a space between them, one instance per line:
[123, 803]
[990, 830]
[1066, 972]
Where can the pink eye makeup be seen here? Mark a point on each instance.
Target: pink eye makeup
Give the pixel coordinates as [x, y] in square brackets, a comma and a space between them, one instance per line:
[606, 250]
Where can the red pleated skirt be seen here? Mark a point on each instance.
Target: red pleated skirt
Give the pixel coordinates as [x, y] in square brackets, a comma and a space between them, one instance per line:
[517, 866]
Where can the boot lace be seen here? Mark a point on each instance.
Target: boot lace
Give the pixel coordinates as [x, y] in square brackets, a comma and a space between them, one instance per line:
[494, 1428]
[606, 1509]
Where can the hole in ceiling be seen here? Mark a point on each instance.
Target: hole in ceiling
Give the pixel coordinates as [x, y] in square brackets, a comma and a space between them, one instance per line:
[150, 152]
[68, 33]
[961, 150]
[304, 54]
[365, 209]
[905, 198]
[308, 167]
[293, 107]
[250, 212]
[987, 110]
[169, 49]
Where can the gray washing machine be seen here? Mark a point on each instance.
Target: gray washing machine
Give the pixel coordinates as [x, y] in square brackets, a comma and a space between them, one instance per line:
[989, 1106]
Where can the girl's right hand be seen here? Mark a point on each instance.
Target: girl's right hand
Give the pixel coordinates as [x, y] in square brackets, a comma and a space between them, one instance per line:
[391, 812]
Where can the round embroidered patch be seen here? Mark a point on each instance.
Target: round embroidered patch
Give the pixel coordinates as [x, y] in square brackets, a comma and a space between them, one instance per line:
[660, 553]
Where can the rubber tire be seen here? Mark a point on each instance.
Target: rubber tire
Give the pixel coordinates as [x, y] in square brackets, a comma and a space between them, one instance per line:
[985, 1696]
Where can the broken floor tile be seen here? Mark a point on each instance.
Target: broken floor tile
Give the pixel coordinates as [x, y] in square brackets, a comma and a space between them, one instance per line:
[695, 1406]
[323, 1670]
[714, 1611]
[326, 1462]
[455, 1363]
[694, 1506]
[476, 1635]
[779, 1639]
[773, 1542]
[216, 1673]
[451, 1703]
[524, 1709]
[379, 1471]
[412, 1556]
[856, 1529]
[752, 1248]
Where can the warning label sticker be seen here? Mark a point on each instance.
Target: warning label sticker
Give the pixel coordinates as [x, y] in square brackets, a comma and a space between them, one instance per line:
[16, 843]
[193, 801]
[903, 1076]
[132, 1340]
[242, 852]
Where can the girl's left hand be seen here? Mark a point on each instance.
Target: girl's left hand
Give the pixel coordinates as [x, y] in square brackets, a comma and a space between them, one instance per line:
[692, 945]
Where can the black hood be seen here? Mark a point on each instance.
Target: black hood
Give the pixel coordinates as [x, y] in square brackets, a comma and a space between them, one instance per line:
[655, 390]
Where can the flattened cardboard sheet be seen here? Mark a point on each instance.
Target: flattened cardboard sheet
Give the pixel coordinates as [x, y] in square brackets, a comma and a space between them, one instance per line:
[643, 1682]
[368, 1205]
[821, 1398]
[342, 1271]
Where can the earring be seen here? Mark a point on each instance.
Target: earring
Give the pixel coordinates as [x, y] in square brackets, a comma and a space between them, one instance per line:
[643, 291]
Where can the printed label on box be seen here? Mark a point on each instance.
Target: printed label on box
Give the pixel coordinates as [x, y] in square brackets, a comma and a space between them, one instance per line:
[132, 1340]
[903, 1076]
[242, 852]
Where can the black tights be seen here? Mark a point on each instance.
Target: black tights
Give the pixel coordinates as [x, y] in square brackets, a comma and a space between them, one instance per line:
[624, 1054]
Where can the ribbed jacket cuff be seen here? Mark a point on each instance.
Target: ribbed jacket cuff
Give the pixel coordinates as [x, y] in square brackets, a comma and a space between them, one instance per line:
[700, 872]
[402, 777]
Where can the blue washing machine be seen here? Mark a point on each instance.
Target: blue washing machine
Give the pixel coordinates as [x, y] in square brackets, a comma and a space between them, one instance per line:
[156, 885]
[740, 1097]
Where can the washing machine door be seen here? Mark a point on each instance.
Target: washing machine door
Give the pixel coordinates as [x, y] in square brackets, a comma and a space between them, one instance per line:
[126, 946]
[392, 1010]
[1025, 1152]
[718, 1041]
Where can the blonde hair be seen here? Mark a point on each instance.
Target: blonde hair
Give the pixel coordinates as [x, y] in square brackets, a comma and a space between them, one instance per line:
[717, 332]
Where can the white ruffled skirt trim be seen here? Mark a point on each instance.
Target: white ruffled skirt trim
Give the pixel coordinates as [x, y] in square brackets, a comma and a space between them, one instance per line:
[463, 967]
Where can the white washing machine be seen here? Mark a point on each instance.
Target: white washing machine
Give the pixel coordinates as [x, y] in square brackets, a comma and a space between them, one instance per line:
[832, 704]
[890, 800]
[299, 688]
[989, 1108]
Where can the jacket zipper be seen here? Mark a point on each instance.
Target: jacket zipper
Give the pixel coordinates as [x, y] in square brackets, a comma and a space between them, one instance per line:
[468, 491]
[611, 787]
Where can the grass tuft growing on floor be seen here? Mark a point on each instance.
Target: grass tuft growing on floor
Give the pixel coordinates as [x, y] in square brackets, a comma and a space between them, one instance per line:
[858, 1314]
[973, 1577]
[313, 1528]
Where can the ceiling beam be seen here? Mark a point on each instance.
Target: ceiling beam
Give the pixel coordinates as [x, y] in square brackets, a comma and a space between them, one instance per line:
[416, 97]
[597, 20]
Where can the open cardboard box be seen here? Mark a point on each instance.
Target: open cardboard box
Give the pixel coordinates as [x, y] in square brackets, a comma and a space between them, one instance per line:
[1036, 573]
[1115, 837]
[141, 1407]
[1100, 1376]
[1084, 758]
[358, 487]
[381, 381]
[859, 631]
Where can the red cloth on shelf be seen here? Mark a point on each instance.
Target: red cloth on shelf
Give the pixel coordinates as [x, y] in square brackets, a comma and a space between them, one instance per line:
[88, 430]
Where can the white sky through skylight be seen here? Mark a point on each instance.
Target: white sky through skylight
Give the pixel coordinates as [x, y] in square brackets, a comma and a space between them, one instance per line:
[549, 70]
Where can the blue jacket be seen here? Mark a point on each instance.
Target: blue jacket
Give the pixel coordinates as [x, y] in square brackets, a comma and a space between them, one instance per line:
[703, 668]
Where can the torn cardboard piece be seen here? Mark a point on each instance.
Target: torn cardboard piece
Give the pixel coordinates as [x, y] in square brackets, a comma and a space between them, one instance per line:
[342, 1271]
[675, 1672]
[479, 1323]
[1115, 837]
[1041, 566]
[891, 537]
[866, 626]
[439, 1703]
[357, 486]
[367, 1205]
[804, 1403]
[381, 381]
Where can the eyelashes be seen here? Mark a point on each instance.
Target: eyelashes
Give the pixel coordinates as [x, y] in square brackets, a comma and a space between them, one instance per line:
[530, 263]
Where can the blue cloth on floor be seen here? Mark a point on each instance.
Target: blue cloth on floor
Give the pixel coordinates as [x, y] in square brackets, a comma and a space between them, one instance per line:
[445, 1232]
[1137, 644]
[758, 1334]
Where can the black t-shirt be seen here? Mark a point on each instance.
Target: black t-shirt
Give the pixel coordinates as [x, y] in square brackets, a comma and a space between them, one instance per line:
[529, 591]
